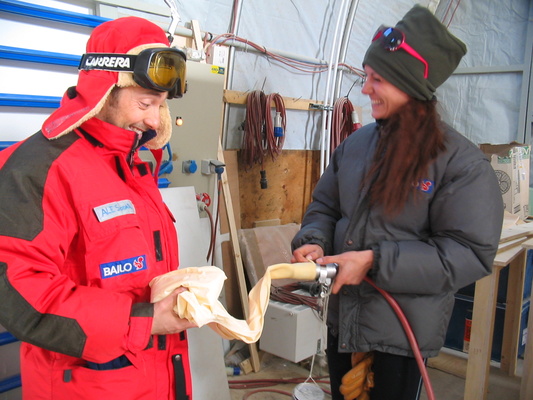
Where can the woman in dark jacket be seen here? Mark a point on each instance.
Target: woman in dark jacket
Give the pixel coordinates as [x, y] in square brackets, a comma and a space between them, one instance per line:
[406, 201]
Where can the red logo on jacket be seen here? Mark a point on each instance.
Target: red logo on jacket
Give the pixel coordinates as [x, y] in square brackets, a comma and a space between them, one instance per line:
[426, 186]
[121, 267]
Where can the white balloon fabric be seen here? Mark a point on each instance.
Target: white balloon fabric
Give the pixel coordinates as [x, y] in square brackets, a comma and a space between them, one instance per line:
[200, 304]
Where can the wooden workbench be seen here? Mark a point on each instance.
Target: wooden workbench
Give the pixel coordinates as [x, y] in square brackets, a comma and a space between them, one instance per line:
[512, 253]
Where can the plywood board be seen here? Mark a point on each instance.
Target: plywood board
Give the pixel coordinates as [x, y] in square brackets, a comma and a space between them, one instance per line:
[291, 180]
[512, 243]
[517, 231]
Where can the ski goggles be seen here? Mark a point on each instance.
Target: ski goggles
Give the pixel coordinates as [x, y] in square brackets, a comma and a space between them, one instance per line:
[394, 39]
[161, 69]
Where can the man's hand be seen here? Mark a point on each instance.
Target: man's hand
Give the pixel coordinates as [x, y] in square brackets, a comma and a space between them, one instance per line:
[166, 321]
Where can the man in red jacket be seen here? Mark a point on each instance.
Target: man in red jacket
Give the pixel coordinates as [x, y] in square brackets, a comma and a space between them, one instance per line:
[83, 230]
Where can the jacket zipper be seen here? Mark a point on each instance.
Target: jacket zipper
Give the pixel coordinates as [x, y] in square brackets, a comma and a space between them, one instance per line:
[132, 151]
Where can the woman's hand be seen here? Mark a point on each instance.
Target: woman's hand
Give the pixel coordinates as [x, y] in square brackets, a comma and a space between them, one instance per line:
[353, 267]
[165, 320]
[307, 252]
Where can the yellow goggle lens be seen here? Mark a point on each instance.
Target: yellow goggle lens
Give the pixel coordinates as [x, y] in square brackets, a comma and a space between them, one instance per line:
[166, 68]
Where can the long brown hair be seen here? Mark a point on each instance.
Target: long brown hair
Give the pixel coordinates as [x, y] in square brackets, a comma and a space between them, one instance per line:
[409, 142]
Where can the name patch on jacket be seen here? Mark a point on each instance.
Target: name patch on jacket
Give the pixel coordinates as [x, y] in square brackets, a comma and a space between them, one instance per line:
[113, 210]
[426, 186]
[121, 267]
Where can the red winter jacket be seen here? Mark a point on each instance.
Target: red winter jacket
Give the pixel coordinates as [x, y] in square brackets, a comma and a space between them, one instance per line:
[83, 230]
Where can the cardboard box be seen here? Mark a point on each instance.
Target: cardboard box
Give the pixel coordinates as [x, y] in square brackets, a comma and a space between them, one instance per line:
[511, 164]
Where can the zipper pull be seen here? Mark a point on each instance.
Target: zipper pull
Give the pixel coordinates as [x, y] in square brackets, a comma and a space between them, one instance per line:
[132, 151]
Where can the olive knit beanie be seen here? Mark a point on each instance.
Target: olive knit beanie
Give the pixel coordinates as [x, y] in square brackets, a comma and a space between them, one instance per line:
[429, 38]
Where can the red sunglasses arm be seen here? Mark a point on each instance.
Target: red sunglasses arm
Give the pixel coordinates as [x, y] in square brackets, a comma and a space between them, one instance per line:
[415, 54]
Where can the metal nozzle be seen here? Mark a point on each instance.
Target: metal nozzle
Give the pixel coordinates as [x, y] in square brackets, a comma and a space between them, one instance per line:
[326, 273]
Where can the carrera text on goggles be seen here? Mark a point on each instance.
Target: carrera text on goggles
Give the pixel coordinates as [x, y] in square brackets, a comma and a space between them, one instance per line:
[394, 39]
[161, 69]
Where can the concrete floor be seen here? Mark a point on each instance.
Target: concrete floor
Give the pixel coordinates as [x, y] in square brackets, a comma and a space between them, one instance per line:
[446, 386]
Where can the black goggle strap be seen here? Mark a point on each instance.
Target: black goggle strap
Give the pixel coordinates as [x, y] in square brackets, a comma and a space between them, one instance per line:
[108, 62]
[127, 62]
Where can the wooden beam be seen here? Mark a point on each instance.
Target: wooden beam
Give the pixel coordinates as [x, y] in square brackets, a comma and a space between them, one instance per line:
[513, 314]
[197, 35]
[477, 370]
[254, 355]
[291, 103]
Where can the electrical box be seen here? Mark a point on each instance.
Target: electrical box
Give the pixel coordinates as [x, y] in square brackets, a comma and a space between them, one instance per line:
[217, 55]
[197, 137]
[292, 332]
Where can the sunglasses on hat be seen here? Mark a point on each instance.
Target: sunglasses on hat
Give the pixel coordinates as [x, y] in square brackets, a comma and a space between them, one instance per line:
[161, 69]
[394, 39]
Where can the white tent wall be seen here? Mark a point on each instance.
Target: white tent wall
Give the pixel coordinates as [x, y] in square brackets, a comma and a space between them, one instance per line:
[482, 99]
[32, 78]
[485, 100]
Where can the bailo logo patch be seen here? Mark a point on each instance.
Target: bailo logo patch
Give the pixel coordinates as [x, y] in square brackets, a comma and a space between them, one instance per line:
[121, 267]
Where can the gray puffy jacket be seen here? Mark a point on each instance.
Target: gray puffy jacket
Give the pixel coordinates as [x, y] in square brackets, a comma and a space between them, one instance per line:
[444, 241]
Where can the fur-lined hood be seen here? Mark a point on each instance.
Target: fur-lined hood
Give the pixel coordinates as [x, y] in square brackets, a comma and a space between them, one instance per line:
[128, 35]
